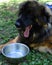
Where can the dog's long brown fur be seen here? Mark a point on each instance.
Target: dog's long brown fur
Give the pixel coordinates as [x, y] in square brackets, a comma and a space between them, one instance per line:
[45, 46]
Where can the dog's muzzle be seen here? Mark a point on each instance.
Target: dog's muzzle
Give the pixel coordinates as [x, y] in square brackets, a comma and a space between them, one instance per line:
[24, 24]
[23, 21]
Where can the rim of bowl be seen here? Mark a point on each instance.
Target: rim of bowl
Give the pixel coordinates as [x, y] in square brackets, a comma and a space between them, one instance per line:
[13, 44]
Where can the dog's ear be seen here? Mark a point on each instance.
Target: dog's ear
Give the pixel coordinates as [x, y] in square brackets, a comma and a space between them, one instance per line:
[48, 10]
[45, 11]
[50, 13]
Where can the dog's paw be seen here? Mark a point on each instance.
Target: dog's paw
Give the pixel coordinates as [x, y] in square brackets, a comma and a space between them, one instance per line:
[42, 49]
[45, 49]
[49, 50]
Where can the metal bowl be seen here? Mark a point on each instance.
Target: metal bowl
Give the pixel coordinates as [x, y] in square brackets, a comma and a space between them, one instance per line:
[15, 52]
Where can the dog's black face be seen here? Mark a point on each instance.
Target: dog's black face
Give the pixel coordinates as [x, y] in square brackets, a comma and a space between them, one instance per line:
[32, 18]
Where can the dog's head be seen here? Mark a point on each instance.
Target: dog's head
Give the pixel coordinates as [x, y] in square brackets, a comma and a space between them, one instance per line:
[31, 18]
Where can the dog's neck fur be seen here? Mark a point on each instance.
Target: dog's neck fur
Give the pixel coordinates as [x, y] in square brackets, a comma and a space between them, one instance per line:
[35, 38]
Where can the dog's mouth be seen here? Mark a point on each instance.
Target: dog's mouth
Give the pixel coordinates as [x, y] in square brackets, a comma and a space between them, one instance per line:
[27, 31]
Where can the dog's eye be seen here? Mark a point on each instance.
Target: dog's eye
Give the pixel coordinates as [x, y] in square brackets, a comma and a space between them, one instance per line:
[37, 21]
[41, 21]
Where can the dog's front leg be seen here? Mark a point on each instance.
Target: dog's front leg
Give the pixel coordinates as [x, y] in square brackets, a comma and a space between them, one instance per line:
[16, 39]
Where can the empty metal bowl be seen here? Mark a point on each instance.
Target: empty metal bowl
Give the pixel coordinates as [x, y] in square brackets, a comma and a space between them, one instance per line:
[15, 52]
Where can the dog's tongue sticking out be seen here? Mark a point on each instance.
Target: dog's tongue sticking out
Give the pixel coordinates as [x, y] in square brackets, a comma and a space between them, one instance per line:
[26, 32]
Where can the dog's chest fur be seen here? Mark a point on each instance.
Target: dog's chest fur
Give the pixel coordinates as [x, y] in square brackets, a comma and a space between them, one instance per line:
[34, 38]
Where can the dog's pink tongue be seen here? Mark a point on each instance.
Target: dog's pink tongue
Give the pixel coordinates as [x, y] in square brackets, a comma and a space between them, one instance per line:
[26, 32]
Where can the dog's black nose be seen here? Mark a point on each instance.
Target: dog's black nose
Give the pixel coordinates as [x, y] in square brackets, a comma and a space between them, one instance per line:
[18, 24]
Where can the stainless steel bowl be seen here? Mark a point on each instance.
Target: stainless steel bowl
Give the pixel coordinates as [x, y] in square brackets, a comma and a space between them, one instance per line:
[15, 52]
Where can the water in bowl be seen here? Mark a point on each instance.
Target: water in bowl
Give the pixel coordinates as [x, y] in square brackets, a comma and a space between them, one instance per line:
[15, 54]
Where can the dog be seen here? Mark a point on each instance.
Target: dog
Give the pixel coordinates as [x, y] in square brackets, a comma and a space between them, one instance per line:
[34, 24]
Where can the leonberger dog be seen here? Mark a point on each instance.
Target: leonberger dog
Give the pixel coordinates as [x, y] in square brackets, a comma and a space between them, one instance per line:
[34, 24]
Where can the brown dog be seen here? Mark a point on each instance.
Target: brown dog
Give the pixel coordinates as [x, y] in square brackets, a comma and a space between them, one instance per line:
[34, 26]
